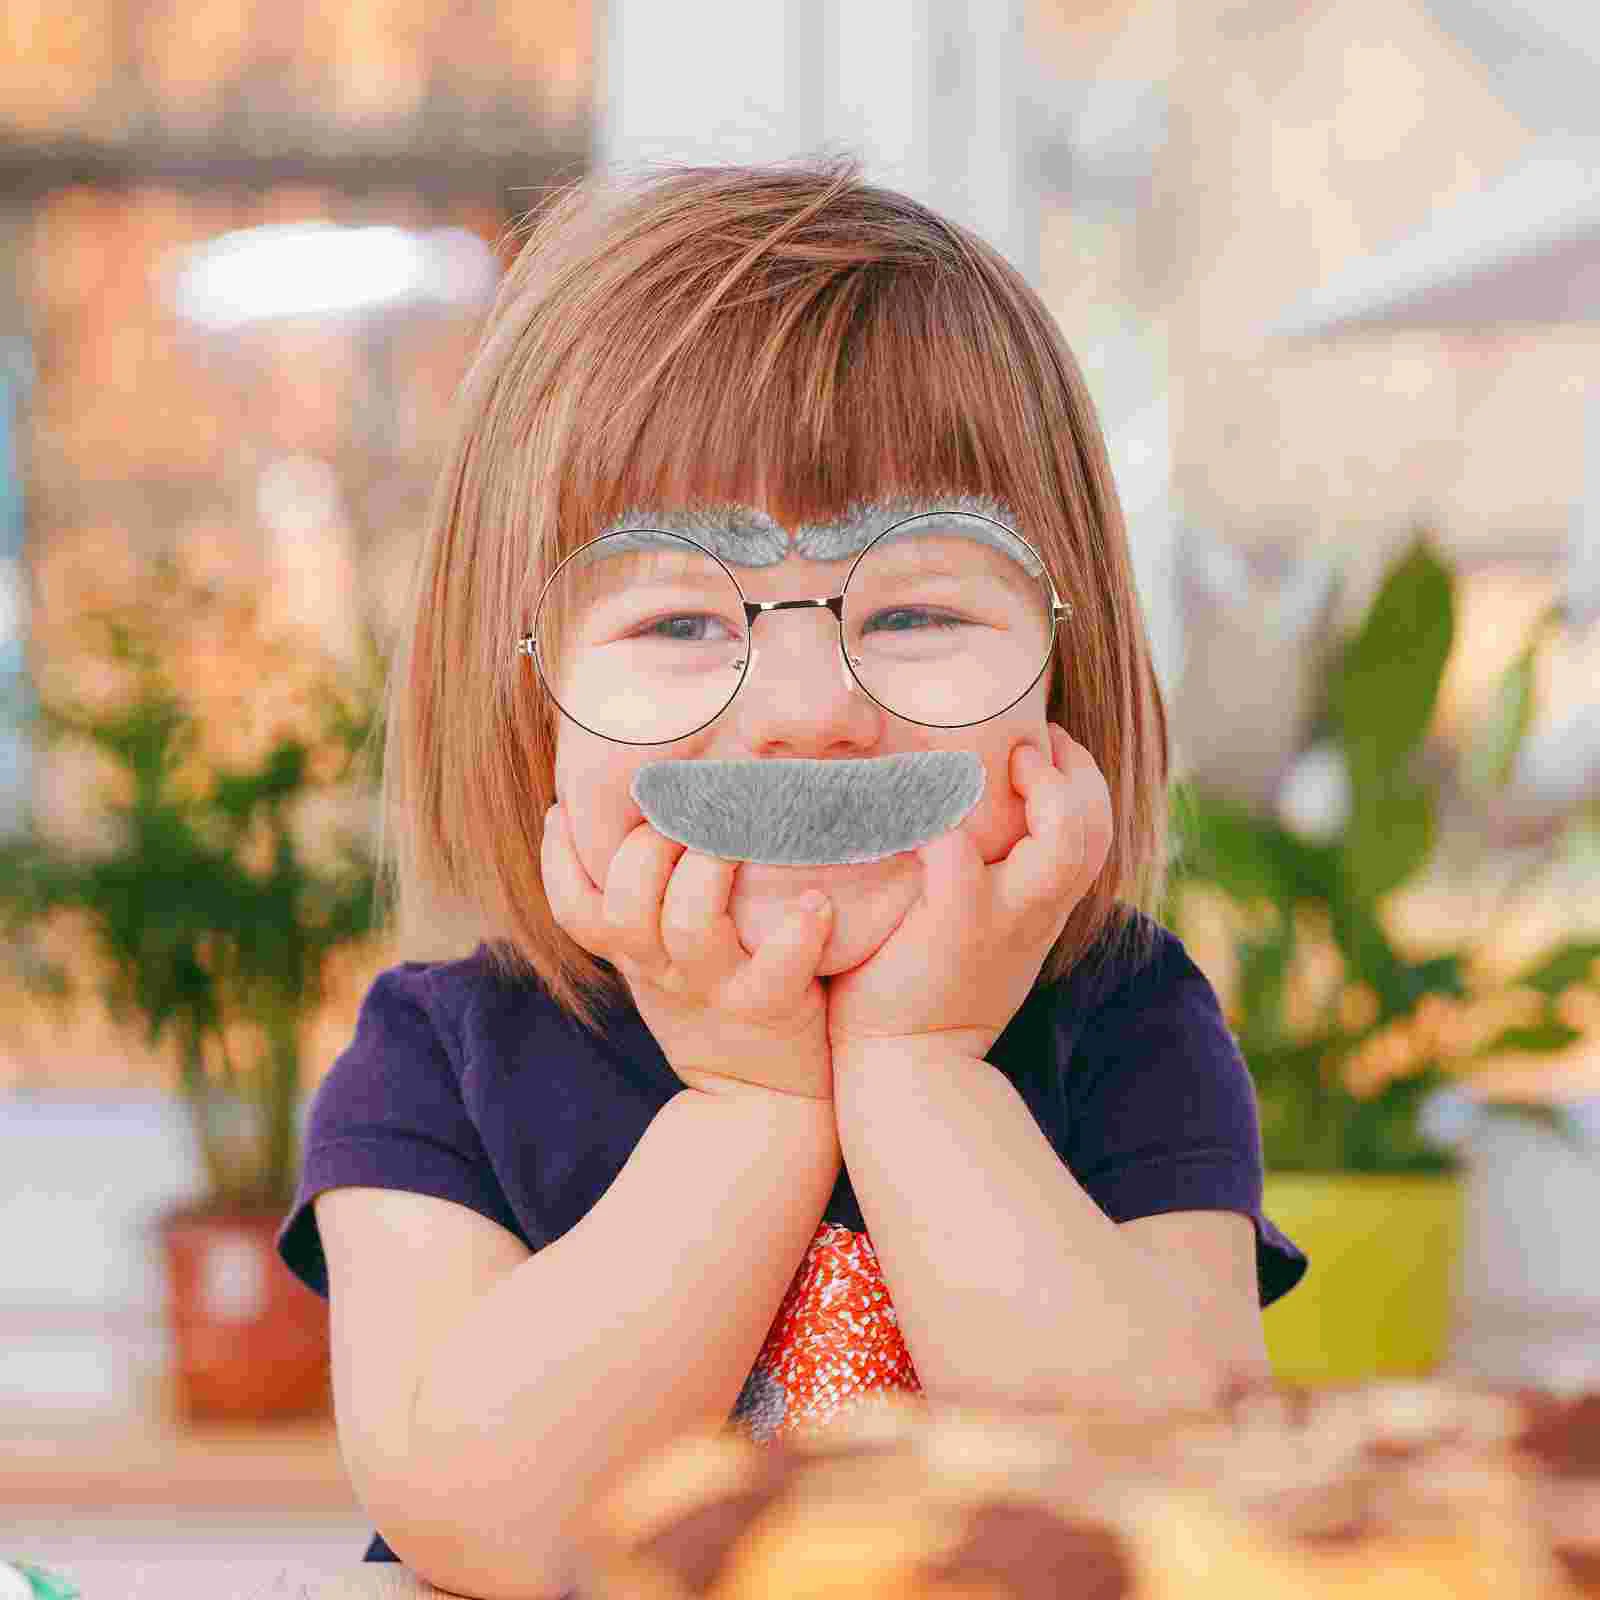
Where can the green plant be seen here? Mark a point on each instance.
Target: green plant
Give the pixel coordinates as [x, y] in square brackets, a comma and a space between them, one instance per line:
[205, 917]
[1341, 1074]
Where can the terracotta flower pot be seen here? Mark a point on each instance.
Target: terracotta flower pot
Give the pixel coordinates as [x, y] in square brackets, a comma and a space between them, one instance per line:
[1378, 1298]
[250, 1342]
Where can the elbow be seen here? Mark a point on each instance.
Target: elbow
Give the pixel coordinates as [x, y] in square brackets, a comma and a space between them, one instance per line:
[423, 1501]
[468, 1564]
[462, 1553]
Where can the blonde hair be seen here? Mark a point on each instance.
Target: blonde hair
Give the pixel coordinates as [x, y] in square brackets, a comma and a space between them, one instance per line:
[679, 338]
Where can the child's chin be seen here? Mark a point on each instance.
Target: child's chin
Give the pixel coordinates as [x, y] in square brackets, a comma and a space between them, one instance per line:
[864, 915]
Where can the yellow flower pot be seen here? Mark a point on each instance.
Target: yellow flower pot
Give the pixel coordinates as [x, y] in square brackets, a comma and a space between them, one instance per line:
[1378, 1297]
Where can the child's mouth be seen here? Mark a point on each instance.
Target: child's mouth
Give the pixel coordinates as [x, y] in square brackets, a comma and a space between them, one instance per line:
[796, 813]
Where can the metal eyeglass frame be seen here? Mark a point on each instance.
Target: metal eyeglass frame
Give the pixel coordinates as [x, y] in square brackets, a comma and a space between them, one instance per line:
[1060, 611]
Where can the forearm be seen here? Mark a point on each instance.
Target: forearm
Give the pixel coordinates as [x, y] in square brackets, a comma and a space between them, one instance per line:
[1011, 1285]
[643, 1319]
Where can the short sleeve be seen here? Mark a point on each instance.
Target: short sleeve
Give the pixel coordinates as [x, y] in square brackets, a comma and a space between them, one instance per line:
[1162, 1111]
[389, 1114]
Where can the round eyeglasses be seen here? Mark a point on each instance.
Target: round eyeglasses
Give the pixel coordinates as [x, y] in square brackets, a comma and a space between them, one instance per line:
[945, 619]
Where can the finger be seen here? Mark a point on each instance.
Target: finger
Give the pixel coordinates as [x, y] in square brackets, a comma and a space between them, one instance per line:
[784, 964]
[1044, 867]
[696, 931]
[574, 898]
[953, 877]
[631, 901]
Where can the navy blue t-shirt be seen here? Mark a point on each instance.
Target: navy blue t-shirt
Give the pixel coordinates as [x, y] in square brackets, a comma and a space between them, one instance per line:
[481, 1090]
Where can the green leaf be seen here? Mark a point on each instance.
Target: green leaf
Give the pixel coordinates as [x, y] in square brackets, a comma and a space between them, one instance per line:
[1390, 835]
[1263, 971]
[1382, 1134]
[1492, 753]
[1247, 855]
[1552, 973]
[1221, 843]
[1444, 974]
[1370, 956]
[1543, 1038]
[1388, 675]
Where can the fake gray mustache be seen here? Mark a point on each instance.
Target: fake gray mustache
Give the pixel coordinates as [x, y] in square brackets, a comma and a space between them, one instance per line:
[793, 813]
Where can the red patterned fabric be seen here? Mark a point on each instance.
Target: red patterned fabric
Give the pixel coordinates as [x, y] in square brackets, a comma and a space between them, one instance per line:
[835, 1339]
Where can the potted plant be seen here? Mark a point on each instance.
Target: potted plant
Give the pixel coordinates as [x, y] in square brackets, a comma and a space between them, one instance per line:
[1348, 1039]
[226, 877]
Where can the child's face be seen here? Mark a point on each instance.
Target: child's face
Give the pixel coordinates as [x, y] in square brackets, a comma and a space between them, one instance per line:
[798, 701]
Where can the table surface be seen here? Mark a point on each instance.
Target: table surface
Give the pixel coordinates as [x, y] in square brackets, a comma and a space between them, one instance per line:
[149, 1456]
[242, 1580]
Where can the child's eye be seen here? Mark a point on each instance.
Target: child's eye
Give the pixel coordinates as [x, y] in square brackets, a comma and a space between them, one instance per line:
[906, 619]
[689, 627]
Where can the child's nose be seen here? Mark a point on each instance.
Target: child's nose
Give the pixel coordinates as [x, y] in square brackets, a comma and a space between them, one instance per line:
[798, 694]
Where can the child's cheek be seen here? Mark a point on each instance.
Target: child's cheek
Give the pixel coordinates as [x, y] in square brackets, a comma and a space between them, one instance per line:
[602, 811]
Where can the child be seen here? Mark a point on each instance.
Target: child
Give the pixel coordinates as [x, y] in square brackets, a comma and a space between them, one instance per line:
[674, 1142]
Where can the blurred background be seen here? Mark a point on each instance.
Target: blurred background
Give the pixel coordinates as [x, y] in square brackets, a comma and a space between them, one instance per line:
[1332, 271]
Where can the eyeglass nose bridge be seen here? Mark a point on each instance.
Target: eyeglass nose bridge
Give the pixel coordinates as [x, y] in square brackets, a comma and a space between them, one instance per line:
[832, 602]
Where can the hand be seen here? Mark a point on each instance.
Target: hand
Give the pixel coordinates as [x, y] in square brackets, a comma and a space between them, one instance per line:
[726, 1020]
[961, 962]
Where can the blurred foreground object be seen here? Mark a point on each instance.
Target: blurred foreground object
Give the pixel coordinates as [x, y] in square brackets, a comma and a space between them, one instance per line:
[1378, 1489]
[22, 1580]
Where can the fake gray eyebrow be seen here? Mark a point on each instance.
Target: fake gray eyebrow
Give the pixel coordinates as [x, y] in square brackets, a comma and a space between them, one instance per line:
[742, 536]
[972, 516]
[745, 536]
